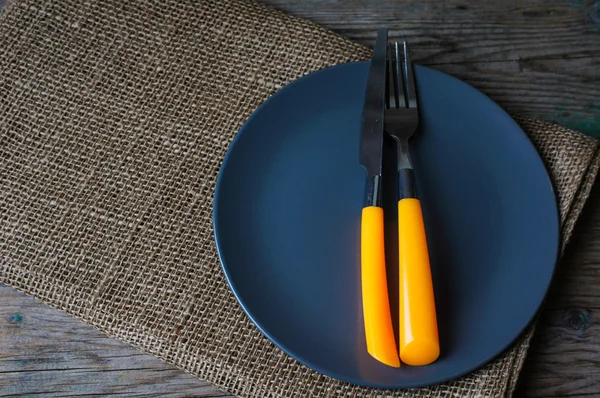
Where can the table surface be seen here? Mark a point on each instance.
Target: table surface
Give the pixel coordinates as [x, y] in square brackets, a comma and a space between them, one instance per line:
[540, 58]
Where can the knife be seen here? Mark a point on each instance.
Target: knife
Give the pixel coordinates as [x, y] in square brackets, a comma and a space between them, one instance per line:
[379, 332]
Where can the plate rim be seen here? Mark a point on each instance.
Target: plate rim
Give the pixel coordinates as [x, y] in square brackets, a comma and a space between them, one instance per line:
[336, 375]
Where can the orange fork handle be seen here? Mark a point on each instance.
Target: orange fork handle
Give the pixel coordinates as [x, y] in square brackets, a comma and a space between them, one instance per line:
[379, 332]
[419, 342]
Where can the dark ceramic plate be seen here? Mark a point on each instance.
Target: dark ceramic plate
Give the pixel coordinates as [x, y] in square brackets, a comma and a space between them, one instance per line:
[287, 224]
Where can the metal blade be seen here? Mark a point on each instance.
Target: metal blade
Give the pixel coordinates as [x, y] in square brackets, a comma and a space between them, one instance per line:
[371, 139]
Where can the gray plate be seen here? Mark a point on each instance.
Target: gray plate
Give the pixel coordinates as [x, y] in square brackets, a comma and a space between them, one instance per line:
[287, 224]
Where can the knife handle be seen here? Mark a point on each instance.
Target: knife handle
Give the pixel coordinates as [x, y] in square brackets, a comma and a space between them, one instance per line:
[379, 332]
[419, 341]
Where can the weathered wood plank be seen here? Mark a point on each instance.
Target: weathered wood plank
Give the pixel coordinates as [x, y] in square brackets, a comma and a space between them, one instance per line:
[46, 352]
[533, 57]
[453, 31]
[576, 281]
[565, 355]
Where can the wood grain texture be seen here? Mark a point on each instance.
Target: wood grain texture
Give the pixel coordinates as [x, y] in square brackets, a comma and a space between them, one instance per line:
[540, 58]
[48, 353]
[535, 57]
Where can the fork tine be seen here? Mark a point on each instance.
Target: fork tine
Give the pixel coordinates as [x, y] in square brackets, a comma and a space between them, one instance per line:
[398, 81]
[411, 93]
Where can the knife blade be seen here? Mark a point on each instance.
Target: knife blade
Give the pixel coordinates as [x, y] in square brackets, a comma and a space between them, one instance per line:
[379, 332]
[372, 121]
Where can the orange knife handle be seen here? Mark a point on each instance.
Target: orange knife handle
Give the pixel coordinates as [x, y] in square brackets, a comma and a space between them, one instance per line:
[379, 332]
[419, 341]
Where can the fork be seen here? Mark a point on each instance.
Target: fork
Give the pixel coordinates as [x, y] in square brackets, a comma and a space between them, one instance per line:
[419, 341]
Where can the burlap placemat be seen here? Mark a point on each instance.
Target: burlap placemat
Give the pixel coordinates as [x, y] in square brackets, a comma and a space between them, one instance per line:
[114, 119]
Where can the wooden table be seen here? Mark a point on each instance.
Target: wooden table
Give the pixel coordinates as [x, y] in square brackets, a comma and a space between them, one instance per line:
[536, 57]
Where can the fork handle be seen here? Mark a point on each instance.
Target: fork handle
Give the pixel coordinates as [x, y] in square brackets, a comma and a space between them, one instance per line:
[419, 342]
[379, 332]
[406, 184]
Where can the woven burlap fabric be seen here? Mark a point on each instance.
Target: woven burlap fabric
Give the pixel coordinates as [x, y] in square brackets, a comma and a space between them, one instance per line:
[114, 119]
